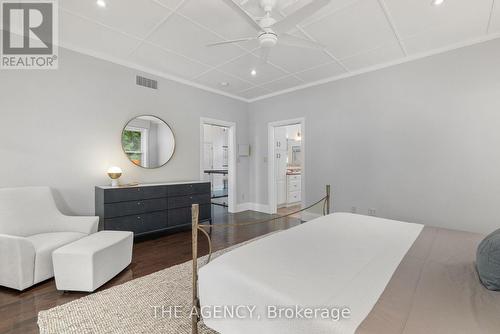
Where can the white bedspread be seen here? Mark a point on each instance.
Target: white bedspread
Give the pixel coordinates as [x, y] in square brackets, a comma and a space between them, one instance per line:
[341, 260]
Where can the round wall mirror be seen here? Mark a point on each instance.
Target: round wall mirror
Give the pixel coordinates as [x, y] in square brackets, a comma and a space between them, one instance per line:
[148, 141]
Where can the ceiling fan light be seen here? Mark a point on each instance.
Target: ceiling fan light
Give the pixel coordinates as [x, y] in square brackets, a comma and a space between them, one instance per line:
[437, 2]
[101, 3]
[253, 72]
[268, 40]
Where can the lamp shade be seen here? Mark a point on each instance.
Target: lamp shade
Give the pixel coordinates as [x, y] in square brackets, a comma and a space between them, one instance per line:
[114, 172]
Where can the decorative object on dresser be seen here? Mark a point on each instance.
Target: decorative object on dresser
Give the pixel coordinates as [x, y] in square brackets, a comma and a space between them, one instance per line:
[114, 174]
[150, 208]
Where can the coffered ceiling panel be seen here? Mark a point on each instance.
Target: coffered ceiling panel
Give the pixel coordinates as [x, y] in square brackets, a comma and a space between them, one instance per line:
[332, 7]
[264, 72]
[210, 14]
[79, 33]
[118, 14]
[321, 72]
[413, 17]
[288, 58]
[283, 83]
[172, 4]
[441, 37]
[360, 27]
[184, 36]
[223, 81]
[381, 55]
[170, 37]
[253, 93]
[167, 62]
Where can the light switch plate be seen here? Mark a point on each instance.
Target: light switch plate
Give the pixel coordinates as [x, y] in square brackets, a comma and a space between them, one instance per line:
[244, 150]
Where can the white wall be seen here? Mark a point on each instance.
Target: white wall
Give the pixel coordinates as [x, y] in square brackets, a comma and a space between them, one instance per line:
[62, 128]
[418, 142]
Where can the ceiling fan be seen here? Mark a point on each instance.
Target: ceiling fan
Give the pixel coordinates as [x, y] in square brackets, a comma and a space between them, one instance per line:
[272, 32]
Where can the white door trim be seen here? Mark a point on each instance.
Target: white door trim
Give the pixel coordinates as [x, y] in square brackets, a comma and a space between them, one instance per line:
[231, 178]
[271, 175]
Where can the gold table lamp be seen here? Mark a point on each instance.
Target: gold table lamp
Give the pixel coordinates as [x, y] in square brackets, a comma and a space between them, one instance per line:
[114, 173]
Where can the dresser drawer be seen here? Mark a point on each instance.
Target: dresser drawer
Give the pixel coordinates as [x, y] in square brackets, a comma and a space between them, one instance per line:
[293, 197]
[293, 185]
[138, 223]
[182, 216]
[188, 189]
[296, 178]
[134, 207]
[134, 193]
[187, 201]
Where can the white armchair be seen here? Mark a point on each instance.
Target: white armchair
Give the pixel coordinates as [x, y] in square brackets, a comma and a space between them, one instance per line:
[31, 228]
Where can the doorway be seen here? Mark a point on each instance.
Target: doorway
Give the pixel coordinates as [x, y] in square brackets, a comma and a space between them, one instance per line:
[218, 162]
[286, 175]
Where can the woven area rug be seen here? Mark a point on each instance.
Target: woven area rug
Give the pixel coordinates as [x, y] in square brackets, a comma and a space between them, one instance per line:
[131, 308]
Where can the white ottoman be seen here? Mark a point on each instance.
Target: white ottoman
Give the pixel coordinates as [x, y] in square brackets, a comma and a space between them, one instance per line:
[88, 263]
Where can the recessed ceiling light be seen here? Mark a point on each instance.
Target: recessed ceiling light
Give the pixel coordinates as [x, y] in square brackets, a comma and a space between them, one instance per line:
[224, 84]
[101, 3]
[253, 73]
[437, 2]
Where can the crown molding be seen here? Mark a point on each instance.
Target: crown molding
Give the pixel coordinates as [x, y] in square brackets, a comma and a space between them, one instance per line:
[408, 59]
[148, 70]
[190, 83]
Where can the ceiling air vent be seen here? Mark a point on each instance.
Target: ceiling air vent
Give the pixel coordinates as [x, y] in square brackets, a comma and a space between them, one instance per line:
[145, 82]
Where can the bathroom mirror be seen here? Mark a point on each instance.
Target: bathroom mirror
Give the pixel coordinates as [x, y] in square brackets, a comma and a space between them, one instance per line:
[148, 141]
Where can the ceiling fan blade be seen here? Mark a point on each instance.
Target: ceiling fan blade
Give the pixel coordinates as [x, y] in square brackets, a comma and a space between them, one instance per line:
[299, 15]
[264, 55]
[243, 14]
[290, 40]
[232, 41]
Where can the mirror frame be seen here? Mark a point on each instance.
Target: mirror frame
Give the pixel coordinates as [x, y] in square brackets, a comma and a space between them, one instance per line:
[148, 115]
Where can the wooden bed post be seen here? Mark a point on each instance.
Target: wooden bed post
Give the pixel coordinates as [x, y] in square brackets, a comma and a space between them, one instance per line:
[194, 310]
[327, 199]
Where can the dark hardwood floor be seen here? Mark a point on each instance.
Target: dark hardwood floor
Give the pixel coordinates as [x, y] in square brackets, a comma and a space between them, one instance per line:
[19, 310]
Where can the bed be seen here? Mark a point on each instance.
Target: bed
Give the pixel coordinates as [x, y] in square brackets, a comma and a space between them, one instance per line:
[394, 277]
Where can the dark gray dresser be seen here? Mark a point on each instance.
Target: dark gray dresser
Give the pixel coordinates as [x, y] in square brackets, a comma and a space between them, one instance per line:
[151, 208]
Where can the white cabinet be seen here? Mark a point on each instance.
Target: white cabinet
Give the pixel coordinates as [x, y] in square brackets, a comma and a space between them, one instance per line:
[281, 156]
[280, 166]
[293, 189]
[280, 159]
[280, 138]
[281, 193]
[293, 198]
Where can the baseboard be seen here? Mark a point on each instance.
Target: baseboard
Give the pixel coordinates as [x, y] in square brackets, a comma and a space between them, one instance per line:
[244, 207]
[261, 208]
[253, 207]
[264, 208]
